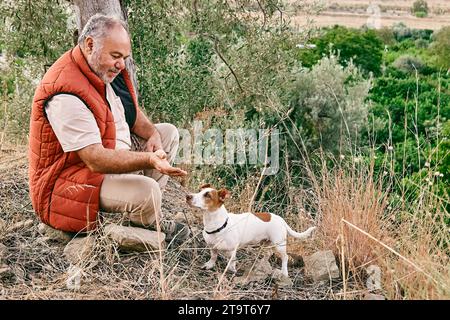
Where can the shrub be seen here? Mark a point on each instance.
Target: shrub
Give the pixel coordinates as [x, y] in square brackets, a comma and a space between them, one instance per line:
[421, 44]
[420, 14]
[440, 48]
[409, 64]
[420, 8]
[363, 48]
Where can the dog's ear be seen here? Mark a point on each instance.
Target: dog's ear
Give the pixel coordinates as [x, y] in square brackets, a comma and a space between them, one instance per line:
[207, 185]
[224, 194]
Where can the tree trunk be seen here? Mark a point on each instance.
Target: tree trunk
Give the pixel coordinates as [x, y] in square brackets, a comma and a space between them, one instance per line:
[84, 9]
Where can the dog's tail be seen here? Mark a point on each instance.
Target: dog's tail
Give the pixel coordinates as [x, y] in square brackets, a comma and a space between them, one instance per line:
[300, 235]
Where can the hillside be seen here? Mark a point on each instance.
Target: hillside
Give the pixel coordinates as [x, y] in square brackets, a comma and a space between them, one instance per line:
[355, 13]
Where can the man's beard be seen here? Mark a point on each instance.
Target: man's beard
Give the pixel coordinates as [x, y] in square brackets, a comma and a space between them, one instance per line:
[94, 62]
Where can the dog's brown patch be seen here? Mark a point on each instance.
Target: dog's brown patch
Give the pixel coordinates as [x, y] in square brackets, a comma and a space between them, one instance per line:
[264, 216]
[214, 199]
[206, 185]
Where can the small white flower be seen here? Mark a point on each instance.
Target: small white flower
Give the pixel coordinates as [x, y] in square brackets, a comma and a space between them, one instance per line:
[342, 157]
[430, 183]
[427, 164]
[385, 173]
[441, 175]
[437, 174]
[390, 148]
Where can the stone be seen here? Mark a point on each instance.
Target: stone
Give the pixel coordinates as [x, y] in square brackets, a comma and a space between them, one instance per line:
[74, 276]
[373, 281]
[79, 249]
[321, 266]
[259, 272]
[135, 239]
[54, 234]
[373, 296]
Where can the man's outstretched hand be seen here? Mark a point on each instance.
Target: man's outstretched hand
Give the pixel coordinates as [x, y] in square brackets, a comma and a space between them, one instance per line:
[163, 166]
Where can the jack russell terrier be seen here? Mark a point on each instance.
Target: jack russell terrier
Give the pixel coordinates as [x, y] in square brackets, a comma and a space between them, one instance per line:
[226, 232]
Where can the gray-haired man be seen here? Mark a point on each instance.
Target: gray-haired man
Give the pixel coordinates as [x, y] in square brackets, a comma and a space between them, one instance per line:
[89, 137]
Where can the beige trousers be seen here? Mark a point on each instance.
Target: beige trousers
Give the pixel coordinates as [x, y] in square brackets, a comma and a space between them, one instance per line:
[138, 197]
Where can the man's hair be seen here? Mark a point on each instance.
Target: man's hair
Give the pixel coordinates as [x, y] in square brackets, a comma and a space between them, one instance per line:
[98, 27]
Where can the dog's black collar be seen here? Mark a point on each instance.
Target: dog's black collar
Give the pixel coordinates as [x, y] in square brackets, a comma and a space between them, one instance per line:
[218, 230]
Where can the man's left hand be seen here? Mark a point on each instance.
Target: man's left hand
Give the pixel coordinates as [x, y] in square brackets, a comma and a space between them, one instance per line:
[154, 144]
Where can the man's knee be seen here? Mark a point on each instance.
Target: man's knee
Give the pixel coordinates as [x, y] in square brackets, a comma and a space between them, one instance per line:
[168, 131]
[150, 206]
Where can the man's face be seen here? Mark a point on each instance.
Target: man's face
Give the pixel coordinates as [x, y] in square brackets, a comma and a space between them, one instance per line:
[107, 56]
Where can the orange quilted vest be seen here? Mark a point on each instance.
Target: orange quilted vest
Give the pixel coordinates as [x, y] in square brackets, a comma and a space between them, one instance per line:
[63, 191]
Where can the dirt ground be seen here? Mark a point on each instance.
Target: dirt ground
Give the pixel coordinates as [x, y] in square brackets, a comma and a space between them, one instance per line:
[353, 13]
[34, 267]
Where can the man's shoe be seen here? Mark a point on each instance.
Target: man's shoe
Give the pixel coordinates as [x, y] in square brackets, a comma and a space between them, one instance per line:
[176, 231]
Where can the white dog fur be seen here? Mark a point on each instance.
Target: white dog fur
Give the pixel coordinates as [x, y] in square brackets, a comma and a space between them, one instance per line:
[226, 232]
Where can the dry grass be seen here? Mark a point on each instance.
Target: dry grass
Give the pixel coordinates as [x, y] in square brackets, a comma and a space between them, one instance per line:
[39, 269]
[353, 210]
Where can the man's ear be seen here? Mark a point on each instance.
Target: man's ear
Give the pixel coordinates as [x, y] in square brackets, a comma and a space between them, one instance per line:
[89, 44]
[207, 185]
[224, 194]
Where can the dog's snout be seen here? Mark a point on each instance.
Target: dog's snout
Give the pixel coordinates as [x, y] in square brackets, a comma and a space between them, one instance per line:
[189, 197]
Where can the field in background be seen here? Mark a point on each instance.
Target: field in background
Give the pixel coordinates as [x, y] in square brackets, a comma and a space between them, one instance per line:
[353, 13]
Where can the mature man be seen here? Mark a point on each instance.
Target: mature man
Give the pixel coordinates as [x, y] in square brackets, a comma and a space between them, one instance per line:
[88, 138]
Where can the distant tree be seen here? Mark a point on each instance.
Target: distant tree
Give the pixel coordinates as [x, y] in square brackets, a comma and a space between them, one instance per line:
[409, 64]
[364, 48]
[420, 8]
[441, 48]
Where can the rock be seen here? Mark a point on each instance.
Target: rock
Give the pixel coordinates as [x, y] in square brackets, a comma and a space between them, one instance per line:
[21, 225]
[260, 271]
[374, 277]
[79, 249]
[74, 275]
[321, 266]
[373, 296]
[135, 239]
[54, 234]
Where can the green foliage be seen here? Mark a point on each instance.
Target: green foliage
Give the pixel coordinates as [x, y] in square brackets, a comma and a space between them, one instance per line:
[386, 35]
[409, 64]
[329, 105]
[420, 8]
[364, 48]
[402, 32]
[33, 35]
[440, 48]
[420, 14]
[35, 29]
[413, 112]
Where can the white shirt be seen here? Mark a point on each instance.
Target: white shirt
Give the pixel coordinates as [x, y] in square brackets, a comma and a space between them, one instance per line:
[75, 126]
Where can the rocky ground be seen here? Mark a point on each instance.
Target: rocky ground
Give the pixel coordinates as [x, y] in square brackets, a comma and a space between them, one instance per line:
[37, 262]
